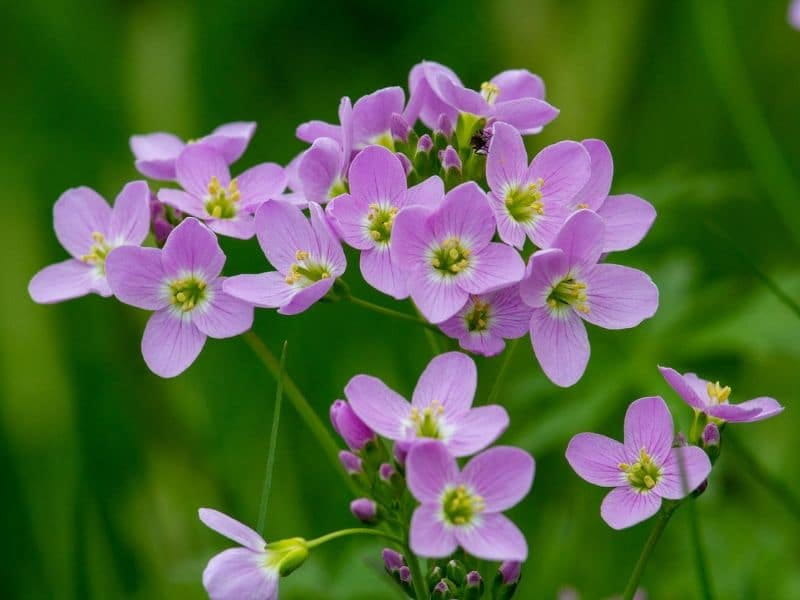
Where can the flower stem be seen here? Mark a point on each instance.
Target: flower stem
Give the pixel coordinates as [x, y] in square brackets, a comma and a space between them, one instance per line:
[300, 403]
[699, 553]
[353, 531]
[497, 387]
[273, 442]
[633, 583]
[390, 312]
[420, 590]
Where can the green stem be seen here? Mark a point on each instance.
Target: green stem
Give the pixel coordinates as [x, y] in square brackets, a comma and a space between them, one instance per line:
[353, 531]
[273, 442]
[420, 589]
[699, 553]
[300, 403]
[633, 583]
[390, 312]
[497, 387]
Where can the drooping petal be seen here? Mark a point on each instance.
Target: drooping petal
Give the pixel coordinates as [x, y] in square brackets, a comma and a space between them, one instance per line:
[494, 537]
[239, 573]
[564, 168]
[560, 344]
[438, 298]
[232, 529]
[231, 139]
[507, 160]
[494, 267]
[260, 183]
[196, 165]
[156, 153]
[624, 507]
[648, 426]
[685, 469]
[428, 535]
[429, 468]
[510, 315]
[628, 218]
[751, 411]
[466, 215]
[595, 192]
[476, 429]
[455, 94]
[596, 458]
[319, 168]
[502, 476]
[130, 217]
[581, 239]
[223, 316]
[383, 273]
[311, 131]
[170, 343]
[330, 249]
[682, 384]
[379, 406]
[266, 290]
[62, 281]
[77, 214]
[241, 227]
[372, 114]
[518, 83]
[450, 379]
[136, 277]
[282, 231]
[377, 176]
[484, 343]
[305, 297]
[192, 247]
[350, 217]
[184, 202]
[528, 115]
[619, 297]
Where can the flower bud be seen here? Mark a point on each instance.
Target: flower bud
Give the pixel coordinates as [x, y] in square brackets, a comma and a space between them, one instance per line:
[392, 560]
[510, 571]
[404, 573]
[386, 472]
[443, 589]
[505, 582]
[473, 586]
[450, 159]
[400, 451]
[456, 572]
[353, 430]
[425, 144]
[399, 127]
[160, 222]
[406, 162]
[711, 437]
[444, 126]
[351, 463]
[364, 509]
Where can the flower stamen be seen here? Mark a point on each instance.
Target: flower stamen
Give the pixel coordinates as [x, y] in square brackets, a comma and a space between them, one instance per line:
[524, 203]
[221, 201]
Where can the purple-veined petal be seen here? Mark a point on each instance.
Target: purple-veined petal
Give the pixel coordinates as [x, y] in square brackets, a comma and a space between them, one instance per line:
[266, 290]
[171, 343]
[560, 344]
[411, 235]
[350, 216]
[484, 343]
[330, 249]
[628, 218]
[379, 406]
[319, 168]
[184, 202]
[346, 119]
[305, 297]
[581, 239]
[231, 139]
[223, 316]
[685, 469]
[428, 535]
[428, 193]
[260, 183]
[241, 227]
[136, 277]
[624, 507]
[619, 297]
[377, 176]
[510, 315]
[494, 267]
[596, 458]
[648, 426]
[518, 83]
[62, 281]
[429, 468]
[196, 165]
[494, 537]
[507, 160]
[232, 529]
[130, 217]
[565, 168]
[757, 409]
[684, 388]
[383, 273]
[372, 114]
[476, 429]
[450, 379]
[239, 573]
[282, 231]
[192, 247]
[466, 215]
[156, 153]
[426, 102]
[438, 298]
[311, 131]
[510, 231]
[502, 476]
[77, 214]
[464, 99]
[528, 115]
[596, 190]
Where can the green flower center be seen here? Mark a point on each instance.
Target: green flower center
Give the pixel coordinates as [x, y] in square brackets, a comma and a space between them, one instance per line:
[338, 188]
[384, 139]
[525, 203]
[460, 505]
[427, 420]
[477, 319]
[305, 272]
[718, 394]
[380, 221]
[187, 293]
[451, 257]
[568, 292]
[98, 252]
[221, 202]
[644, 474]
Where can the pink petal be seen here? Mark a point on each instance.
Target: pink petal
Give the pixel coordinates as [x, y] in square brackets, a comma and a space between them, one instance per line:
[494, 267]
[484, 343]
[156, 153]
[282, 231]
[77, 214]
[381, 271]
[184, 202]
[628, 218]
[528, 115]
[231, 139]
[350, 216]
[136, 277]
[319, 168]
[507, 160]
[223, 316]
[465, 214]
[596, 458]
[239, 573]
[130, 217]
[510, 315]
[619, 297]
[751, 411]
[195, 167]
[509, 230]
[648, 426]
[596, 190]
[494, 538]
[379, 406]
[685, 469]
[311, 131]
[412, 234]
[62, 281]
[330, 249]
[241, 227]
[304, 298]
[377, 176]
[171, 343]
[564, 167]
[581, 239]
[477, 429]
[437, 298]
[428, 536]
[502, 476]
[450, 379]
[560, 344]
[623, 507]
[683, 386]
[259, 184]
[232, 529]
[429, 468]
[266, 290]
[518, 83]
[372, 114]
[429, 193]
[192, 247]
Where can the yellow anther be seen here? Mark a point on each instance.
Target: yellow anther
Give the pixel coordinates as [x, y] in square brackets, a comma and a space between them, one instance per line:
[717, 393]
[181, 296]
[216, 212]
[489, 91]
[624, 467]
[98, 237]
[582, 205]
[301, 255]
[325, 275]
[648, 481]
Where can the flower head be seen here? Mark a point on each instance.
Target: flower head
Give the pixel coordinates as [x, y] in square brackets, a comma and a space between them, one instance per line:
[713, 399]
[156, 153]
[448, 252]
[642, 470]
[226, 205]
[89, 229]
[565, 286]
[532, 200]
[182, 284]
[486, 320]
[463, 508]
[440, 408]
[307, 255]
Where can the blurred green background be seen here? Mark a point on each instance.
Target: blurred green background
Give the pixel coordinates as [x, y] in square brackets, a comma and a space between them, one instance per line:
[103, 465]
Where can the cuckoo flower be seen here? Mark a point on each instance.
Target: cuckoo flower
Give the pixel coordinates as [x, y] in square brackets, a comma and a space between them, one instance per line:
[535, 199]
[642, 470]
[628, 218]
[226, 205]
[486, 320]
[182, 284]
[365, 216]
[566, 286]
[89, 229]
[307, 255]
[440, 407]
[156, 153]
[464, 508]
[712, 399]
[449, 255]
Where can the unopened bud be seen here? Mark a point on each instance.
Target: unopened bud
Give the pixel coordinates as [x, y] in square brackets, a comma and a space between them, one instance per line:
[392, 560]
[450, 159]
[456, 571]
[399, 127]
[425, 144]
[353, 430]
[400, 452]
[444, 126]
[351, 463]
[473, 586]
[364, 509]
[386, 472]
[505, 582]
[404, 573]
[406, 162]
[443, 589]
[510, 571]
[711, 437]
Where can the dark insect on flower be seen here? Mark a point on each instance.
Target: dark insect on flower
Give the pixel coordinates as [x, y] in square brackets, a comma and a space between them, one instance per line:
[480, 141]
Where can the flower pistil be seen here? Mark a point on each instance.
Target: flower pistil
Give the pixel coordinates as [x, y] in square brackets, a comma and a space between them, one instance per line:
[568, 292]
[461, 505]
[644, 474]
[380, 220]
[451, 257]
[221, 201]
[524, 203]
[185, 294]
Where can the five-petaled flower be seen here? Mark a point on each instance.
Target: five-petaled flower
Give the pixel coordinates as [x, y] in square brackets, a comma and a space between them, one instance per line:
[642, 470]
[565, 286]
[712, 399]
[89, 229]
[182, 284]
[464, 508]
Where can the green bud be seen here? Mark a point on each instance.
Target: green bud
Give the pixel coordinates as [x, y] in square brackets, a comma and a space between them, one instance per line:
[456, 572]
